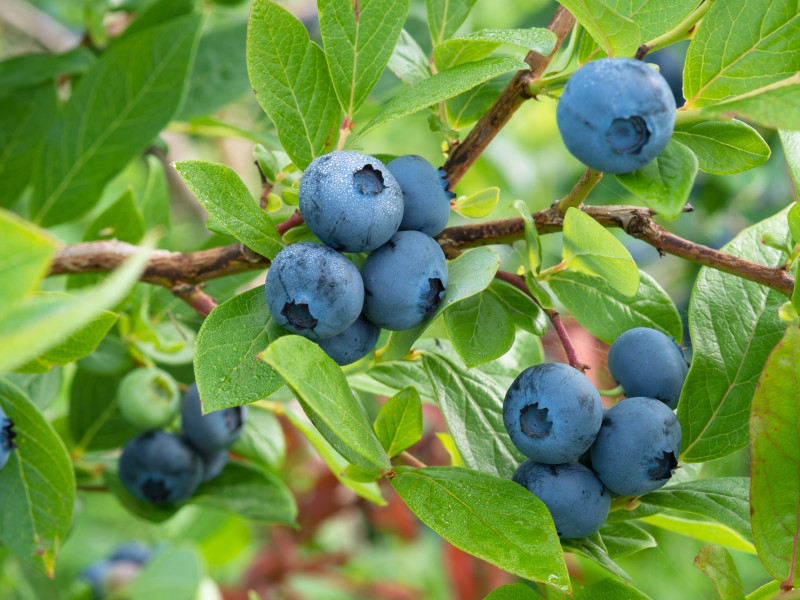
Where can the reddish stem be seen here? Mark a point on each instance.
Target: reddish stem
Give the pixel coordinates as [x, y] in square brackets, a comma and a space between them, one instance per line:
[293, 221]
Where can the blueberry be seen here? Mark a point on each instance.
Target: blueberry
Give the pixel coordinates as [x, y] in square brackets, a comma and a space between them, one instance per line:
[425, 197]
[214, 464]
[212, 432]
[160, 468]
[7, 435]
[616, 114]
[95, 575]
[670, 63]
[313, 291]
[353, 343]
[575, 497]
[133, 552]
[552, 413]
[350, 201]
[637, 448]
[645, 362]
[404, 281]
[148, 398]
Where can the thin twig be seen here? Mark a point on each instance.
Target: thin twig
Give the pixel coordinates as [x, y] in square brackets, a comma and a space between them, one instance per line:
[411, 460]
[578, 194]
[201, 302]
[293, 221]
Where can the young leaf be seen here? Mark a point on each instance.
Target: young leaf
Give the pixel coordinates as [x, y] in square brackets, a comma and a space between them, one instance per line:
[664, 183]
[724, 147]
[442, 86]
[492, 518]
[524, 313]
[249, 492]
[791, 149]
[359, 38]
[226, 366]
[701, 529]
[262, 440]
[25, 116]
[590, 248]
[477, 205]
[478, 45]
[290, 76]
[716, 562]
[95, 421]
[794, 223]
[472, 405]
[445, 17]
[624, 539]
[728, 55]
[723, 499]
[25, 255]
[734, 325]
[465, 109]
[479, 328]
[399, 422]
[321, 388]
[607, 314]
[38, 485]
[533, 246]
[408, 61]
[218, 188]
[121, 221]
[616, 34]
[775, 434]
[590, 548]
[118, 107]
[32, 69]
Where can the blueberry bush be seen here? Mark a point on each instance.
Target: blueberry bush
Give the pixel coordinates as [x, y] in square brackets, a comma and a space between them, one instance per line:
[315, 300]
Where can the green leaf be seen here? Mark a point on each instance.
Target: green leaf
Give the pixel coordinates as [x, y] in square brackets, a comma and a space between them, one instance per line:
[262, 440]
[408, 61]
[472, 405]
[608, 314]
[794, 223]
[38, 485]
[590, 248]
[220, 71]
[734, 324]
[492, 518]
[290, 77]
[121, 221]
[465, 109]
[321, 388]
[43, 322]
[479, 328]
[445, 17]
[442, 86]
[389, 377]
[716, 562]
[766, 592]
[724, 147]
[610, 589]
[791, 150]
[701, 529]
[334, 460]
[723, 499]
[616, 34]
[477, 205]
[223, 194]
[119, 106]
[524, 313]
[171, 575]
[399, 421]
[226, 365]
[250, 493]
[624, 539]
[478, 45]
[25, 255]
[741, 47]
[775, 434]
[589, 548]
[775, 105]
[359, 38]
[95, 421]
[469, 274]
[516, 591]
[155, 206]
[25, 116]
[664, 183]
[32, 69]
[533, 245]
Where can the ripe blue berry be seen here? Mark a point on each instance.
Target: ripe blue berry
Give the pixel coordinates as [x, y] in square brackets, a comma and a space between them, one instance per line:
[616, 114]
[214, 431]
[404, 281]
[160, 468]
[552, 413]
[350, 201]
[575, 497]
[214, 464]
[95, 576]
[637, 448]
[353, 343]
[148, 398]
[645, 362]
[425, 196]
[313, 291]
[7, 435]
[133, 552]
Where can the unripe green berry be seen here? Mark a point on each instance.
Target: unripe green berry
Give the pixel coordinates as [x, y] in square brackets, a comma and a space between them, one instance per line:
[148, 398]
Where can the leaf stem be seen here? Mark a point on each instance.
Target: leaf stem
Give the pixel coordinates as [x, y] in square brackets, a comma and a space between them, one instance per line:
[682, 31]
[578, 193]
[411, 460]
[617, 391]
[293, 221]
[344, 131]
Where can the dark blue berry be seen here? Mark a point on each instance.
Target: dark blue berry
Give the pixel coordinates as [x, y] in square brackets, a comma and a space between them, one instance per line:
[213, 432]
[353, 343]
[425, 196]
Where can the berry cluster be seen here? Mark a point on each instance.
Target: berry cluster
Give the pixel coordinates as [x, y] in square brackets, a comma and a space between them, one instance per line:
[578, 454]
[109, 576]
[354, 203]
[164, 468]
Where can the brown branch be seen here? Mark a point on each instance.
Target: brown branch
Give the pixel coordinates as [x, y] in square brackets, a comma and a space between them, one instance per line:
[512, 97]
